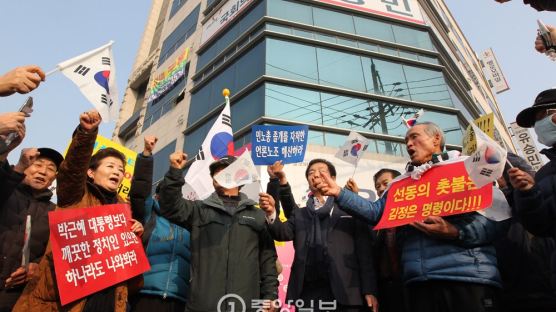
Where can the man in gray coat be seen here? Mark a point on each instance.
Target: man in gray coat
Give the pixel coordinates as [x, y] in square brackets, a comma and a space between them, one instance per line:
[233, 259]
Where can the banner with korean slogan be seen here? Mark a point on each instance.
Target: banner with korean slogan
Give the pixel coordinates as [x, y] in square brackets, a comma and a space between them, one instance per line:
[93, 248]
[101, 143]
[486, 124]
[442, 191]
[163, 82]
[273, 143]
[354, 146]
[242, 171]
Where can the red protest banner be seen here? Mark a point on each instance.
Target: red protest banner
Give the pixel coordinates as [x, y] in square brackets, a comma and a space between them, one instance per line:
[442, 191]
[94, 248]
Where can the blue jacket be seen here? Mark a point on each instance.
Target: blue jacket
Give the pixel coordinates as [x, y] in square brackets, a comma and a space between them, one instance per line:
[471, 258]
[169, 256]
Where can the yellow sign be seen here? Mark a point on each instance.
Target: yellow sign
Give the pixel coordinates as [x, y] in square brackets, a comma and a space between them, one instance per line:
[486, 124]
[130, 155]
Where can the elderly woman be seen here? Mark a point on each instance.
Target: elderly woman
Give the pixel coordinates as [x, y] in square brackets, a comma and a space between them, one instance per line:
[83, 181]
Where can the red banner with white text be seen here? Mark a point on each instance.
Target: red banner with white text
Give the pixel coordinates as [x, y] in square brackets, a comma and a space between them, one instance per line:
[94, 248]
[442, 191]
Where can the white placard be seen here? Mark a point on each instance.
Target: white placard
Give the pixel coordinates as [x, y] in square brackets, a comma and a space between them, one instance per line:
[494, 72]
[527, 146]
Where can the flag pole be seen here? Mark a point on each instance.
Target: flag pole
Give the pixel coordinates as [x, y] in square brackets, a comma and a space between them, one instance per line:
[51, 72]
[355, 169]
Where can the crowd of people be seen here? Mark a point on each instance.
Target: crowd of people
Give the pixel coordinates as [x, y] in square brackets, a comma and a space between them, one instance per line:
[207, 254]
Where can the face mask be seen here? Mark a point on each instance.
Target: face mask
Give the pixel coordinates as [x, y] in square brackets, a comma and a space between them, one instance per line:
[546, 131]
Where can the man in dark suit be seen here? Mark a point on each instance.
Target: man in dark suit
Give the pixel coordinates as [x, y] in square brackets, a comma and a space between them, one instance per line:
[332, 267]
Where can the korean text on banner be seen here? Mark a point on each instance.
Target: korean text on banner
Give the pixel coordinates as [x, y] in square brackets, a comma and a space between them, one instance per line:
[273, 143]
[441, 191]
[406, 10]
[94, 248]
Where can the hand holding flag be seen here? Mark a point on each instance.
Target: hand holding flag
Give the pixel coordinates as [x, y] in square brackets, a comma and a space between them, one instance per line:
[94, 73]
[242, 171]
[353, 148]
[485, 164]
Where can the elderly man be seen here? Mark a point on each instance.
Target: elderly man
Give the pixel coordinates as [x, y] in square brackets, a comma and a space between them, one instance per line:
[449, 264]
[24, 192]
[233, 260]
[333, 267]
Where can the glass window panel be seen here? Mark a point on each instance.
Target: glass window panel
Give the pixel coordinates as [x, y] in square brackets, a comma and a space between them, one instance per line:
[384, 78]
[199, 101]
[326, 18]
[368, 46]
[290, 60]
[428, 59]
[326, 38]
[252, 17]
[160, 161]
[249, 67]
[193, 140]
[427, 85]
[279, 28]
[303, 33]
[291, 11]
[347, 42]
[412, 37]
[176, 5]
[247, 109]
[223, 80]
[340, 69]
[389, 51]
[373, 29]
[179, 35]
[409, 55]
[292, 104]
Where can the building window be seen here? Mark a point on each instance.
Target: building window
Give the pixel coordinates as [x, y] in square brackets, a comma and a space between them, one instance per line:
[308, 63]
[349, 23]
[164, 104]
[161, 163]
[235, 77]
[176, 6]
[184, 30]
[335, 110]
[238, 27]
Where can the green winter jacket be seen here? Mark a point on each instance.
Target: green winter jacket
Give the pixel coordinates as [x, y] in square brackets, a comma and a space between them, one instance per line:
[231, 255]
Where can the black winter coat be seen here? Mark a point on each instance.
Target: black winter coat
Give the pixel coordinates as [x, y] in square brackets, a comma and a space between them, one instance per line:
[18, 200]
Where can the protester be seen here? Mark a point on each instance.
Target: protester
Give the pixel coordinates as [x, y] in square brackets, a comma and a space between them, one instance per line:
[539, 5]
[166, 285]
[523, 259]
[535, 204]
[391, 293]
[232, 251]
[83, 181]
[24, 191]
[22, 79]
[333, 264]
[449, 263]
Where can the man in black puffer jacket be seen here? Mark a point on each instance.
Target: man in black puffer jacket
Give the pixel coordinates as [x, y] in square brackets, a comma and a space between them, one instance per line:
[24, 191]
